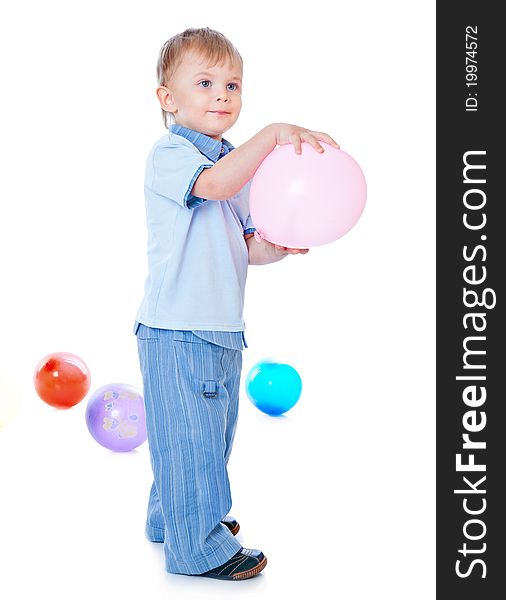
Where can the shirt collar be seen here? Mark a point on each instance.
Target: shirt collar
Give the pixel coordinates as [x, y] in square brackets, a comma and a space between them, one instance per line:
[213, 149]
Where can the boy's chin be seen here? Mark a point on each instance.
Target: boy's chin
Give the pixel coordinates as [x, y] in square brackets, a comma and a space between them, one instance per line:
[221, 127]
[218, 132]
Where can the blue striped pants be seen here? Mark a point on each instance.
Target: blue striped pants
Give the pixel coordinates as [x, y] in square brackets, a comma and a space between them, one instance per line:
[191, 396]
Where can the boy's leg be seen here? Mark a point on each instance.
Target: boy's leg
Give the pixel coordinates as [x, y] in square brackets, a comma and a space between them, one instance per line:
[155, 524]
[232, 382]
[232, 366]
[186, 416]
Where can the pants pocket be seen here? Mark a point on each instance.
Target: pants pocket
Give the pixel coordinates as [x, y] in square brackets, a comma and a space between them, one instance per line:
[144, 332]
[209, 389]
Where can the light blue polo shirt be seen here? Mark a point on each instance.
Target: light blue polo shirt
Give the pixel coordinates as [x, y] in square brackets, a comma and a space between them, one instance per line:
[197, 255]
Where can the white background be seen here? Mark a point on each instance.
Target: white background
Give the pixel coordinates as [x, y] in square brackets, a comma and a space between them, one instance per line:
[339, 493]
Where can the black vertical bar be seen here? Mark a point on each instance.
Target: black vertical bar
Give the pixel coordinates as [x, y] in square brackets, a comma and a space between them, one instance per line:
[471, 258]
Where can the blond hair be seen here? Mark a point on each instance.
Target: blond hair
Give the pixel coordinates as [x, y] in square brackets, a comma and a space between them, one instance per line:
[211, 45]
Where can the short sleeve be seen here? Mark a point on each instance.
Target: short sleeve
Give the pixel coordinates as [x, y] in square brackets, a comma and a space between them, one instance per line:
[174, 170]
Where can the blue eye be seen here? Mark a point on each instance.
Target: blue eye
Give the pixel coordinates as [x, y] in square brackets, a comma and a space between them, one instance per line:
[233, 88]
[205, 81]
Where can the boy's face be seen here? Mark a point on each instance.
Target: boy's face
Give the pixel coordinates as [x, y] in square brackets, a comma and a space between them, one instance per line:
[202, 98]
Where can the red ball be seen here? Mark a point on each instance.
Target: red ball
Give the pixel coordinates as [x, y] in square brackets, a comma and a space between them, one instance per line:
[62, 379]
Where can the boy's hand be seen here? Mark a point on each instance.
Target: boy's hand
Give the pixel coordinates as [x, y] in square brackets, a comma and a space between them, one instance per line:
[262, 252]
[292, 134]
[283, 250]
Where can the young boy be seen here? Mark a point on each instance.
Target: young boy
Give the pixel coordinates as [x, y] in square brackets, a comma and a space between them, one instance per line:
[189, 326]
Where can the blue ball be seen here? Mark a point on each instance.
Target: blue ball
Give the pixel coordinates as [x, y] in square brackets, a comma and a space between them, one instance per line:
[274, 388]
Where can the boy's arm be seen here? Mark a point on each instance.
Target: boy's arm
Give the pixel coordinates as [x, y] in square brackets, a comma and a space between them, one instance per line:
[264, 253]
[229, 175]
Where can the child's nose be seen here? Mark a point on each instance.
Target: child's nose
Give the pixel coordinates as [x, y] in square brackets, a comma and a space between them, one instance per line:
[223, 96]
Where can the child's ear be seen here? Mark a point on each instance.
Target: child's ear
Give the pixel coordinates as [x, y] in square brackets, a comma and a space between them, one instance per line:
[166, 99]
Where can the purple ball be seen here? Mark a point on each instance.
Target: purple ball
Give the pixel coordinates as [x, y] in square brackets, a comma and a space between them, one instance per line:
[115, 417]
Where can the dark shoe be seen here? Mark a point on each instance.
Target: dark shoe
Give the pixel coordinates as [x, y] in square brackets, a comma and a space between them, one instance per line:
[243, 565]
[232, 524]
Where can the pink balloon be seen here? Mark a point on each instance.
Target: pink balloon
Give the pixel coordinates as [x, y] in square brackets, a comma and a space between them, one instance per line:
[308, 199]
